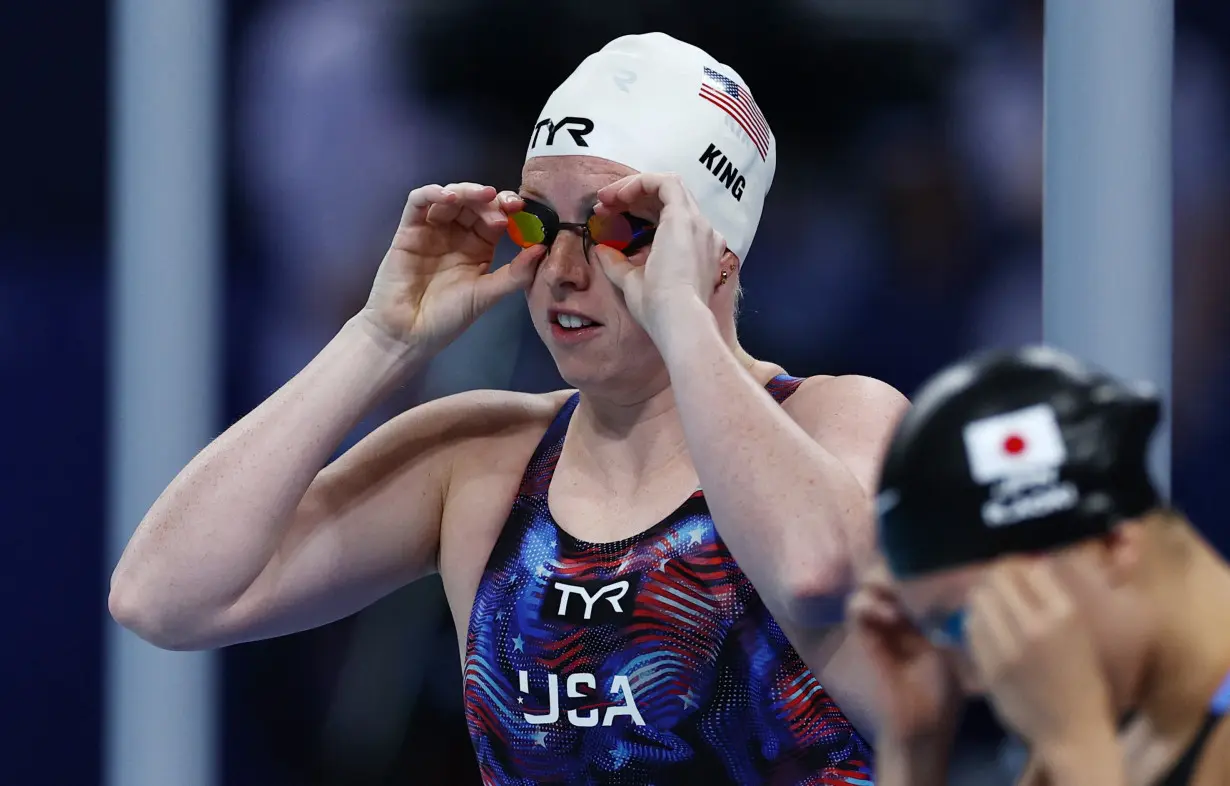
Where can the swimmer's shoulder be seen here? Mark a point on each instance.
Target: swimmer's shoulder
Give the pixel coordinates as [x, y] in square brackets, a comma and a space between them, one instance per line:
[825, 398]
[497, 433]
[477, 432]
[495, 424]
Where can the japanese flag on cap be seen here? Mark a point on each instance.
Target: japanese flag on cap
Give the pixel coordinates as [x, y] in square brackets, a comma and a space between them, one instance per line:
[1014, 444]
[656, 104]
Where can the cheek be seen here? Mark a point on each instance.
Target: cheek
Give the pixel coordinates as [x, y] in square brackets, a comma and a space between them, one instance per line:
[966, 673]
[538, 297]
[1122, 622]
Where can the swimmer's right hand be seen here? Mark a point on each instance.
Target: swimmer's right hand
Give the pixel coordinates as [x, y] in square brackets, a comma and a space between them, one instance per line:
[435, 280]
[917, 695]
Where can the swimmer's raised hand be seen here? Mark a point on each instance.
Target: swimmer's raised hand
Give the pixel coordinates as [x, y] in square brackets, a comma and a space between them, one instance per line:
[1038, 659]
[685, 259]
[435, 279]
[917, 698]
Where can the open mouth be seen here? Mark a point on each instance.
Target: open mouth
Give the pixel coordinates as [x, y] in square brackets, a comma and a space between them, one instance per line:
[574, 321]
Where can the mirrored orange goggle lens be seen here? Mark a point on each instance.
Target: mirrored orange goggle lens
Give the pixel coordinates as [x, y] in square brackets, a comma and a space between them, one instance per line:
[526, 229]
[611, 230]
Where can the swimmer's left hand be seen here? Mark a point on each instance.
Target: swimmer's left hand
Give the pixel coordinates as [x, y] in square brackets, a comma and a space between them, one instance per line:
[1038, 663]
[684, 258]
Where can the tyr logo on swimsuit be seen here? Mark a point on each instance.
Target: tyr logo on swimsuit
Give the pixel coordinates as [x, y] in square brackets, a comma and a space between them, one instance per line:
[593, 602]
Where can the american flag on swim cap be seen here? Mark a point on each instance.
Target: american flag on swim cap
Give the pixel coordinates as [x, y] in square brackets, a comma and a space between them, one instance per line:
[736, 100]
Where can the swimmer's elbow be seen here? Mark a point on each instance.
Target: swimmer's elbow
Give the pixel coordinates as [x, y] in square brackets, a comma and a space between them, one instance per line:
[815, 584]
[134, 611]
[815, 598]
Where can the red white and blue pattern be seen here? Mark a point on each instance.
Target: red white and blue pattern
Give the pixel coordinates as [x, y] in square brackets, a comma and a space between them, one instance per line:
[736, 100]
[720, 695]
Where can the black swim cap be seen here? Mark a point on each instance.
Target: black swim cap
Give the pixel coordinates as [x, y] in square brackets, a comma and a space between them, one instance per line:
[1013, 451]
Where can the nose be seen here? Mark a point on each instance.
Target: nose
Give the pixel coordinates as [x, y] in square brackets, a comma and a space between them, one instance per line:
[565, 269]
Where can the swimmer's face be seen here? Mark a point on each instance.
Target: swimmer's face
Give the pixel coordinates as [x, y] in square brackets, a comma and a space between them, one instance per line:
[615, 354]
[1098, 575]
[936, 603]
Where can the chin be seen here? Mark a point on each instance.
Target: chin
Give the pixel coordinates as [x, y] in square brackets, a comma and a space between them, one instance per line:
[606, 381]
[583, 373]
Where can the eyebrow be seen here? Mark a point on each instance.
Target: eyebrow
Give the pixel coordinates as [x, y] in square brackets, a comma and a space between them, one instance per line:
[529, 191]
[586, 202]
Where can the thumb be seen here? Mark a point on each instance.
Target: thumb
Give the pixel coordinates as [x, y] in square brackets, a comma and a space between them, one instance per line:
[615, 265]
[872, 644]
[517, 274]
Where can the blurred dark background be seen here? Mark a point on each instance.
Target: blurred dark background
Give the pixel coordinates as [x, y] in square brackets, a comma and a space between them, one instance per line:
[903, 231]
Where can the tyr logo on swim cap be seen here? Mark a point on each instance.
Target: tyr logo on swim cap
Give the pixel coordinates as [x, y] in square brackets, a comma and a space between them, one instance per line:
[656, 104]
[1013, 452]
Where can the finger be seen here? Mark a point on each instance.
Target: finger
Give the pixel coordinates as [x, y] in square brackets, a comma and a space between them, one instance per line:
[636, 192]
[875, 571]
[491, 225]
[649, 189]
[486, 219]
[443, 213]
[510, 202]
[610, 192]
[1017, 603]
[468, 195]
[875, 582]
[884, 625]
[615, 265]
[644, 192]
[991, 639]
[1046, 592]
[467, 217]
[517, 274]
[868, 606]
[421, 200]
[472, 192]
[873, 621]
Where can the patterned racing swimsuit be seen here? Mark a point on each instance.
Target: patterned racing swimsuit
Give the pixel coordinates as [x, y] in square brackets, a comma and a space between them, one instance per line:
[650, 660]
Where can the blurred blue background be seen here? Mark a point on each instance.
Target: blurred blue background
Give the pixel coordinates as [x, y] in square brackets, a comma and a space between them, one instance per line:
[903, 231]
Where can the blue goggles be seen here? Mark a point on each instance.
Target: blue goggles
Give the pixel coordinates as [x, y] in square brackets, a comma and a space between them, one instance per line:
[947, 630]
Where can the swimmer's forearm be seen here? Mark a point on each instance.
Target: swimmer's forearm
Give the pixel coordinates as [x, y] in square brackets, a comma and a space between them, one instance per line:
[1095, 761]
[792, 513]
[217, 525]
[900, 765]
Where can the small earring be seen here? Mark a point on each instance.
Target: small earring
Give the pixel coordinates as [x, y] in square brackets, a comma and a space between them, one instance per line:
[725, 275]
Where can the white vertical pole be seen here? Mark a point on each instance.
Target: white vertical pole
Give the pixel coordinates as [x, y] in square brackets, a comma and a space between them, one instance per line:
[1107, 278]
[165, 214]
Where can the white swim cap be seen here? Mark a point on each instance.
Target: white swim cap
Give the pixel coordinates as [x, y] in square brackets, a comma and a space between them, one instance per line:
[656, 104]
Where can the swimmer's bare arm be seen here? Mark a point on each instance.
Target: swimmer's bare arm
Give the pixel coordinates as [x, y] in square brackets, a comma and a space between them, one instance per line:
[898, 767]
[253, 539]
[792, 496]
[1097, 761]
[791, 493]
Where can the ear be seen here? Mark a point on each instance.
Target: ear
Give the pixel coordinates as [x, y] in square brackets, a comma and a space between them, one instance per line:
[728, 264]
[1122, 550]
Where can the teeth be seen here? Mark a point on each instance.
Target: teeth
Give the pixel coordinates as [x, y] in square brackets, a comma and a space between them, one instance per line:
[572, 321]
